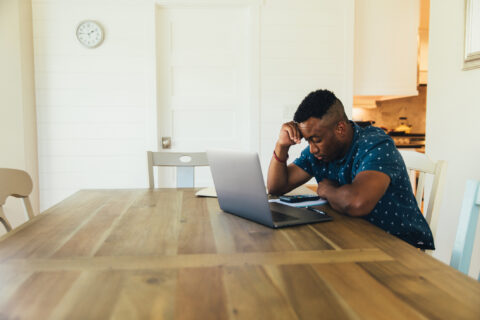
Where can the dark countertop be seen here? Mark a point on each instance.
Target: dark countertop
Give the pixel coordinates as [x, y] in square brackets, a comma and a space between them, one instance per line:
[403, 134]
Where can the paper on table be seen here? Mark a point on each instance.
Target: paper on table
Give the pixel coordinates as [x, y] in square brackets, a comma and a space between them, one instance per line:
[207, 192]
[211, 192]
[302, 204]
[301, 190]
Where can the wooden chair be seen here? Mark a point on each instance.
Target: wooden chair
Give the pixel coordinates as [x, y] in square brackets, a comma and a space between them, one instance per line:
[419, 166]
[16, 183]
[467, 225]
[184, 161]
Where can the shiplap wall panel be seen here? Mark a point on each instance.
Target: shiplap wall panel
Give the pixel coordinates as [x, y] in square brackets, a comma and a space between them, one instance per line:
[93, 105]
[104, 114]
[89, 97]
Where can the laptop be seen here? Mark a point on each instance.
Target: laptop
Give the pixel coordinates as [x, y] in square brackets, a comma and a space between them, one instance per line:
[241, 191]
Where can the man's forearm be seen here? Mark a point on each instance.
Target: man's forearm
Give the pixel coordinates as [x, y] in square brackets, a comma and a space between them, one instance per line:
[277, 180]
[343, 199]
[358, 198]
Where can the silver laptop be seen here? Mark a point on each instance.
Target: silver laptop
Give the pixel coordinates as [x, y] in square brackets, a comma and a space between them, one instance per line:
[241, 191]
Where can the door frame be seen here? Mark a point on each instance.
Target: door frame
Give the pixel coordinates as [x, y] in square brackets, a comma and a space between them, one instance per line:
[253, 7]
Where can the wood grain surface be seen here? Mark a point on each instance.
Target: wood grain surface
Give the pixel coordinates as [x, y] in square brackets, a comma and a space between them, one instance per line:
[165, 254]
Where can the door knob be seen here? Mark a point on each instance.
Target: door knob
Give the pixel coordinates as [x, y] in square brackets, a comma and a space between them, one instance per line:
[166, 142]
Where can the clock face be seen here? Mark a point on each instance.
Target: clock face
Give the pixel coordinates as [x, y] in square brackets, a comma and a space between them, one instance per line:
[90, 34]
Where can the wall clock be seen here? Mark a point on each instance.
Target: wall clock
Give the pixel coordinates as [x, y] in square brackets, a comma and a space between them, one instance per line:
[90, 33]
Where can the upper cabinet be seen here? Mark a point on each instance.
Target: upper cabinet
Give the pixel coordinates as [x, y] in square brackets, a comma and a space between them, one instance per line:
[386, 47]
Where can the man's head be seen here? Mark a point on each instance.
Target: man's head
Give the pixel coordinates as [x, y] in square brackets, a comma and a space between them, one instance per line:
[323, 123]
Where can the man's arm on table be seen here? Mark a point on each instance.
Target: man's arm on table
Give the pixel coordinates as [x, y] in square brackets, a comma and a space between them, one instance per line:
[358, 198]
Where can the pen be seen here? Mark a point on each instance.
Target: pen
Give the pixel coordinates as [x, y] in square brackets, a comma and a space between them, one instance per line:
[316, 210]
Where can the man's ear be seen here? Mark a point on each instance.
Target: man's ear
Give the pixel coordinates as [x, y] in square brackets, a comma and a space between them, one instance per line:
[341, 128]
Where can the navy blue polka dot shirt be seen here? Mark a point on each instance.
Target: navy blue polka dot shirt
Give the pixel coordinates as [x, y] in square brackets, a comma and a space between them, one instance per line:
[396, 212]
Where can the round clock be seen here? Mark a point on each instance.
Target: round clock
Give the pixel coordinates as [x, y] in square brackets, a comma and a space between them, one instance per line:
[90, 33]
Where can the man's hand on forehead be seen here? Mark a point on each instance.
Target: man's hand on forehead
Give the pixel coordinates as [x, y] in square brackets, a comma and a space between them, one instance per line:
[305, 129]
[299, 127]
[289, 134]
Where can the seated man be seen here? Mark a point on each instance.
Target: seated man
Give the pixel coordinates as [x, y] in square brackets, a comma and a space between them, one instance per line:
[359, 170]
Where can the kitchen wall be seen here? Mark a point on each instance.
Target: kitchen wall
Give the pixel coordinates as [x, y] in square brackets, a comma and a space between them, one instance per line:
[387, 112]
[453, 110]
[97, 108]
[18, 136]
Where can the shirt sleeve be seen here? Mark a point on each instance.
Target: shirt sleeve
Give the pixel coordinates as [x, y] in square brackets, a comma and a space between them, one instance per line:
[304, 161]
[384, 157]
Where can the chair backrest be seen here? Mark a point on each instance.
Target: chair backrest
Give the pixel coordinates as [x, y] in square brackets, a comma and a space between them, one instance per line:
[419, 166]
[467, 225]
[16, 183]
[184, 161]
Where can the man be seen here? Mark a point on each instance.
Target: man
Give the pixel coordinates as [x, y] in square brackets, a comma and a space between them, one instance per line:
[359, 170]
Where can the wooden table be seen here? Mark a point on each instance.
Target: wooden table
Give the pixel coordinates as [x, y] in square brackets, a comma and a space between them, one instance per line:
[164, 254]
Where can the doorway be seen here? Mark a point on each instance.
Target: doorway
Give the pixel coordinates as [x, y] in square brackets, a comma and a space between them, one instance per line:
[204, 80]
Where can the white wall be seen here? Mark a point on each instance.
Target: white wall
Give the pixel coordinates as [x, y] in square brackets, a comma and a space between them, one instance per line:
[18, 136]
[96, 108]
[453, 110]
[304, 46]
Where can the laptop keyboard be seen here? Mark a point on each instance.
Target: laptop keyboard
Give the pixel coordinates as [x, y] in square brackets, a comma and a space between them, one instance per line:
[280, 217]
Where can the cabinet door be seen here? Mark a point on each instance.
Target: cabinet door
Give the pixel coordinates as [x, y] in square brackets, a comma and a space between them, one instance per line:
[386, 33]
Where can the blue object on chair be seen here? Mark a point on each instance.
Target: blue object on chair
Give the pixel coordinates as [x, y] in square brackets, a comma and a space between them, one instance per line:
[184, 161]
[185, 177]
[463, 247]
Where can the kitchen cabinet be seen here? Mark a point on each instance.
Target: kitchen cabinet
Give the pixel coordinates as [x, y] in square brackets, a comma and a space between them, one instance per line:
[386, 47]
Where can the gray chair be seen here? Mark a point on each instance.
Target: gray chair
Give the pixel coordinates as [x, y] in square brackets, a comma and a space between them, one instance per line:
[184, 161]
[467, 225]
[15, 183]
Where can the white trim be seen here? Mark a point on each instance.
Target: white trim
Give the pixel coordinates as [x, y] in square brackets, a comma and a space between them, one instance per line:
[206, 3]
[152, 110]
[398, 91]
[471, 57]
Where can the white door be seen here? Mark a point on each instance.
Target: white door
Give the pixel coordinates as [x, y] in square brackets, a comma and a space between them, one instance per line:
[203, 85]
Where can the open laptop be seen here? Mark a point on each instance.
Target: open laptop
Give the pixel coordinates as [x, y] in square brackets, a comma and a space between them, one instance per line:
[241, 191]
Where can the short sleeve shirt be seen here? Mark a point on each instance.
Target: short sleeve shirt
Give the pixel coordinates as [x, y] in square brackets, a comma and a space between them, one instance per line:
[397, 211]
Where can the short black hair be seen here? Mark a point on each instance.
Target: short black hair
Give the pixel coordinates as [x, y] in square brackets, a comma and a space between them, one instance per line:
[316, 105]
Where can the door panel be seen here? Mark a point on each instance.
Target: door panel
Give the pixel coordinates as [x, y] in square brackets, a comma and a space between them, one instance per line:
[203, 80]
